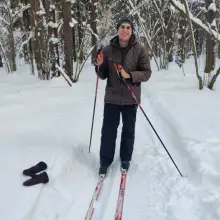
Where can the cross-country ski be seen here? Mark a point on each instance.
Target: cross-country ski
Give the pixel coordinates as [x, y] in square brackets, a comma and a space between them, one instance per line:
[121, 195]
[95, 198]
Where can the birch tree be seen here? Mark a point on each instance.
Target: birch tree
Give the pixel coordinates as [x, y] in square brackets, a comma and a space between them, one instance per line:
[7, 20]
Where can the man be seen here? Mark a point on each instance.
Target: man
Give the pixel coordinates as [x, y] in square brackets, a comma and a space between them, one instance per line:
[126, 51]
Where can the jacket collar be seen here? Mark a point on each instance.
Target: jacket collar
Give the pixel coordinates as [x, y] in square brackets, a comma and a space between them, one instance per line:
[115, 42]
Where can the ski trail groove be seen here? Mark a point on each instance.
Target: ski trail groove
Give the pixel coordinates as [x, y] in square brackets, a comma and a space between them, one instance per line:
[168, 131]
[188, 162]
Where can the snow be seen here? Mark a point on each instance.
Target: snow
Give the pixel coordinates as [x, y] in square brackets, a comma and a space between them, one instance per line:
[71, 24]
[52, 7]
[71, 1]
[54, 40]
[212, 7]
[52, 24]
[51, 121]
[74, 21]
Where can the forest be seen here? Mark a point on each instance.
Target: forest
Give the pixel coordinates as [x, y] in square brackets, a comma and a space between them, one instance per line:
[57, 37]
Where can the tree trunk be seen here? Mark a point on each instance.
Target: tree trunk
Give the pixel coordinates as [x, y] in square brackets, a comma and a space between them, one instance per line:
[74, 45]
[185, 2]
[92, 21]
[28, 26]
[35, 45]
[41, 39]
[68, 38]
[210, 42]
[181, 40]
[80, 31]
[13, 53]
[1, 63]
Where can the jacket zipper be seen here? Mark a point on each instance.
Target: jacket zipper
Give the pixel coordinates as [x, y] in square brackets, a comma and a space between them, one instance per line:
[122, 63]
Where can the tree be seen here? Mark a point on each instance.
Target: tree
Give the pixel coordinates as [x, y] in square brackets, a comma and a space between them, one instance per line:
[68, 38]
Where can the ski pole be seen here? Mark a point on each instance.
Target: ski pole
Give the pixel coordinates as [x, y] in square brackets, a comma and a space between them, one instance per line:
[94, 106]
[135, 98]
[96, 92]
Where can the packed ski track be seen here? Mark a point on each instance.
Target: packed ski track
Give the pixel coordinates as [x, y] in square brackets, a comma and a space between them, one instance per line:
[50, 121]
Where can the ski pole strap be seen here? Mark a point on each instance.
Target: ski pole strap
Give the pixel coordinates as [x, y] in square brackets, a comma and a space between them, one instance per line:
[117, 67]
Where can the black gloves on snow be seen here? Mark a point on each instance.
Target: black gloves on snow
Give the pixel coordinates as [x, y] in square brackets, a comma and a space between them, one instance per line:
[32, 172]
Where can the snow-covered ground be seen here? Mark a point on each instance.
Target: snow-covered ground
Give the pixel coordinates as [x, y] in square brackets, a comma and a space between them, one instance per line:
[49, 121]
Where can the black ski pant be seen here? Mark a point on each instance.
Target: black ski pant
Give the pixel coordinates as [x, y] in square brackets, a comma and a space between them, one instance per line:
[111, 120]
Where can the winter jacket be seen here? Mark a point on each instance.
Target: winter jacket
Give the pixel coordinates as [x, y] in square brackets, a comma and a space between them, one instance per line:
[135, 61]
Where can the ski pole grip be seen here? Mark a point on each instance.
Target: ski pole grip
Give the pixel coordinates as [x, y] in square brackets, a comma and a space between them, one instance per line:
[118, 69]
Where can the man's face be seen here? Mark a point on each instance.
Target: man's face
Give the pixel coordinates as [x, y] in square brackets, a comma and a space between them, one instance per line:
[125, 31]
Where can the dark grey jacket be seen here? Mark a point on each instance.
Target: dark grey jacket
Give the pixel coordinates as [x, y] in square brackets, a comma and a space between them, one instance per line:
[135, 60]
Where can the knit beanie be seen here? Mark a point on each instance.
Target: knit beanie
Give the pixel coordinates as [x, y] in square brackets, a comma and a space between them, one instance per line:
[125, 20]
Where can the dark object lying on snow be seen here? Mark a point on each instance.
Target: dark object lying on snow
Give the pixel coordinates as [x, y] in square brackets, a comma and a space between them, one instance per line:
[40, 178]
[32, 172]
[35, 169]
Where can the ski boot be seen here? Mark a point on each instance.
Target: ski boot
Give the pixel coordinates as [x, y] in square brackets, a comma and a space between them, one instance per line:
[103, 171]
[125, 166]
